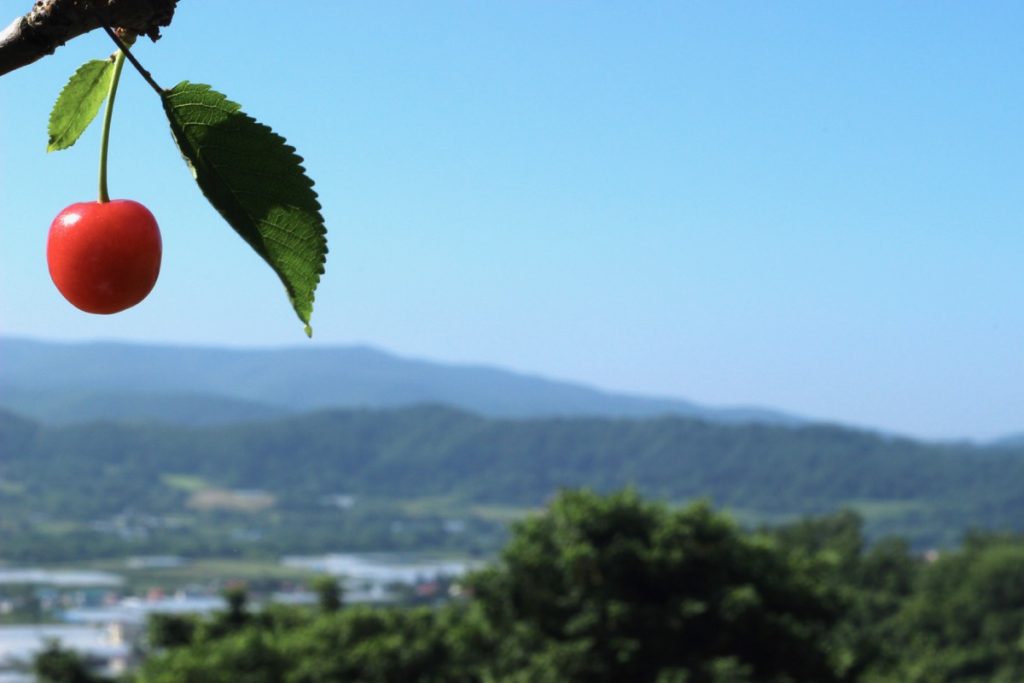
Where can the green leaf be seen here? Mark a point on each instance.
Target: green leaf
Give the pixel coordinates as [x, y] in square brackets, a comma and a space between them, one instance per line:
[257, 183]
[78, 103]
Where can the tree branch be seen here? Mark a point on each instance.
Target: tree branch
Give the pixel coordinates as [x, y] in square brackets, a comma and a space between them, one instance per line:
[51, 23]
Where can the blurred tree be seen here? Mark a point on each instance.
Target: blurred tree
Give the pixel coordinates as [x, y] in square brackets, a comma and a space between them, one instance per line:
[615, 589]
[170, 630]
[328, 592]
[601, 589]
[246, 656]
[54, 664]
[965, 623]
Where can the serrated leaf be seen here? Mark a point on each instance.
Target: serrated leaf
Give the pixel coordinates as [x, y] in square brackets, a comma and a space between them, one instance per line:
[257, 183]
[78, 103]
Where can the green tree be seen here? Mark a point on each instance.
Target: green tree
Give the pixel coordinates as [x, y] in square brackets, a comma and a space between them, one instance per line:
[170, 630]
[965, 623]
[55, 664]
[617, 589]
[246, 656]
[328, 593]
[613, 588]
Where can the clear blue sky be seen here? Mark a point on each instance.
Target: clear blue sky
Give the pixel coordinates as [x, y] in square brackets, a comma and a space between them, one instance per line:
[817, 207]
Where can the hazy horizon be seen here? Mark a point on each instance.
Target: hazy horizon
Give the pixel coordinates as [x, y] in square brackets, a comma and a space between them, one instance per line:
[526, 373]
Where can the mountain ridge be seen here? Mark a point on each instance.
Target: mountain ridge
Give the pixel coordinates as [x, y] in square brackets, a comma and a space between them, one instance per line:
[930, 493]
[69, 382]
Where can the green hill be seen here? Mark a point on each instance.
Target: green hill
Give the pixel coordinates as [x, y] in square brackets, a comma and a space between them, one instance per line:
[454, 462]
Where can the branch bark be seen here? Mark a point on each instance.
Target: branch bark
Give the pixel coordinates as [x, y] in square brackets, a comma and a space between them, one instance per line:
[51, 23]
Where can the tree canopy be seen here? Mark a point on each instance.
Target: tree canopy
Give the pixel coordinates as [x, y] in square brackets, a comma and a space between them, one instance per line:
[617, 588]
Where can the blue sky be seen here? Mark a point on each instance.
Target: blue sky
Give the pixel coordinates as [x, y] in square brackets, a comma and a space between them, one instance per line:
[815, 207]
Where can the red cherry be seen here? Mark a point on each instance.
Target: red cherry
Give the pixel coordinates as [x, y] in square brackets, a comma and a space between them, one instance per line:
[105, 257]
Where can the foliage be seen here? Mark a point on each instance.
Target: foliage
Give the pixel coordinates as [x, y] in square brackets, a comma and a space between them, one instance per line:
[357, 644]
[248, 173]
[171, 630]
[597, 589]
[255, 180]
[965, 621]
[612, 589]
[85, 478]
[616, 588]
[54, 664]
[328, 592]
[78, 103]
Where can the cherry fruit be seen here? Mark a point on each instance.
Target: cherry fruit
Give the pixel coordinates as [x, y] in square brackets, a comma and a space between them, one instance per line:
[104, 257]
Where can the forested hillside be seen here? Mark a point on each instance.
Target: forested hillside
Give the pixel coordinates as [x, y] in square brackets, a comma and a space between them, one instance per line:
[930, 493]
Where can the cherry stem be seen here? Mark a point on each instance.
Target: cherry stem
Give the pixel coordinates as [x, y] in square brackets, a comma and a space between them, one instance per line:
[123, 47]
[107, 117]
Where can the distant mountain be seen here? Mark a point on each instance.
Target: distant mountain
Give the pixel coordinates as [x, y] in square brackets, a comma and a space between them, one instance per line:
[79, 382]
[73, 406]
[1012, 441]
